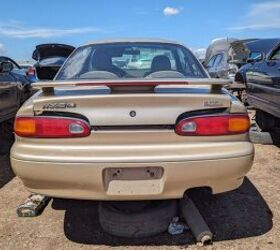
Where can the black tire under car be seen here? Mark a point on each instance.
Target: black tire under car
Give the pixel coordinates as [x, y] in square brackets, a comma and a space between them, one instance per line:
[136, 219]
[6, 136]
[265, 121]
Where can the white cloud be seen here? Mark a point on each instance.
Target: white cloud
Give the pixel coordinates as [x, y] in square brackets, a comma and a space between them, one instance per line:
[199, 53]
[1, 48]
[171, 11]
[261, 16]
[20, 31]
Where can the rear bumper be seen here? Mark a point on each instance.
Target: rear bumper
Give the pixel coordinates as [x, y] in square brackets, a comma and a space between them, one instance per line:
[85, 180]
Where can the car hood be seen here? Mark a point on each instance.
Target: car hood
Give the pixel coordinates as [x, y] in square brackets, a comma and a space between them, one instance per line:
[44, 51]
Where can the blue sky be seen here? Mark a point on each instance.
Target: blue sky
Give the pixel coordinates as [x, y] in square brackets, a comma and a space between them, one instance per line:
[23, 24]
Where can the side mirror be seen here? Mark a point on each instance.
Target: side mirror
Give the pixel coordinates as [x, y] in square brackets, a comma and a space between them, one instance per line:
[255, 57]
[6, 67]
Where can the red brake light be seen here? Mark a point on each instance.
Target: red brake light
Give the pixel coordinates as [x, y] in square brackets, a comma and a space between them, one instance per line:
[213, 125]
[31, 71]
[51, 127]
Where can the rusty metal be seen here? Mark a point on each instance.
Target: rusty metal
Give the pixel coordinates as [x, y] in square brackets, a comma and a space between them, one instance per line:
[33, 206]
[195, 221]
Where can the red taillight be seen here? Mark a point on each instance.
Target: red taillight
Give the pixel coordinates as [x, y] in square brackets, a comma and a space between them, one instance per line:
[31, 71]
[213, 125]
[51, 127]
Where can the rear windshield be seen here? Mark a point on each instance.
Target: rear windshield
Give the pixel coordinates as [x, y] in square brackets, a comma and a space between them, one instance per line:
[131, 60]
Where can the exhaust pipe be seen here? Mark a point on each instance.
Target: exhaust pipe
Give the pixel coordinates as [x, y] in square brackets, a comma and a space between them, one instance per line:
[195, 221]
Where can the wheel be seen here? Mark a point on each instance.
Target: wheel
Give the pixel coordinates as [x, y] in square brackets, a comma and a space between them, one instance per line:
[265, 121]
[6, 136]
[136, 219]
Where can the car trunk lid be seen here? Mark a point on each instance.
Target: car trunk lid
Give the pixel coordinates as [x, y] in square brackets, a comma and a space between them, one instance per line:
[49, 50]
[116, 103]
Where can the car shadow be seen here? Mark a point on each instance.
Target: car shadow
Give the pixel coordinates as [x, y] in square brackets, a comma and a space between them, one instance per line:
[233, 215]
[6, 172]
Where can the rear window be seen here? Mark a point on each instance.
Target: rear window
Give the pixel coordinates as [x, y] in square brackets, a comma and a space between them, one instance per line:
[131, 60]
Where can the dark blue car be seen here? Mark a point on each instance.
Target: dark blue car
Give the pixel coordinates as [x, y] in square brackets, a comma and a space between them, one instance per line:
[15, 88]
[259, 49]
[263, 88]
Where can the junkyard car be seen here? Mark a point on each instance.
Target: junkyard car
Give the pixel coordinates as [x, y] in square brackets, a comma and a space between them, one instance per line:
[102, 132]
[14, 88]
[263, 82]
[49, 59]
[225, 56]
[257, 50]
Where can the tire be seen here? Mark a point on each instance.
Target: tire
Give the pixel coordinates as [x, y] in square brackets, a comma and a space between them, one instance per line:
[6, 136]
[136, 219]
[265, 121]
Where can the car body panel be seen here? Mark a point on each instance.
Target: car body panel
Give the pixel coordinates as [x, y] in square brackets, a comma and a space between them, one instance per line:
[14, 90]
[264, 46]
[131, 145]
[263, 84]
[10, 99]
[85, 180]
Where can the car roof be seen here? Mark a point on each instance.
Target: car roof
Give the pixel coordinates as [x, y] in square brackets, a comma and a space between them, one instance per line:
[133, 40]
[264, 45]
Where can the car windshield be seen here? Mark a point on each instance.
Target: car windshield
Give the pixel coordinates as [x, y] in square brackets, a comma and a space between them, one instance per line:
[131, 60]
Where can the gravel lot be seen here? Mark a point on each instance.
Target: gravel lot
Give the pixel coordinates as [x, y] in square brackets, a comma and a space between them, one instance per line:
[247, 218]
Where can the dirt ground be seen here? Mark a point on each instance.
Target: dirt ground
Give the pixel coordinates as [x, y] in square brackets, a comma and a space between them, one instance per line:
[247, 218]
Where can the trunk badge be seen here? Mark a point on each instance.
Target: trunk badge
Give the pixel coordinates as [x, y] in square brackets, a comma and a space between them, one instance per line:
[60, 105]
[213, 103]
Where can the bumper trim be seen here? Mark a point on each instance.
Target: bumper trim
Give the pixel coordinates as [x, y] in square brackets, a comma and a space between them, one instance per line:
[85, 181]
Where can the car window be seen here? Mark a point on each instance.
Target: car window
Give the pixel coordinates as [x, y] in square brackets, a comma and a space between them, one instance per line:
[211, 61]
[190, 67]
[131, 60]
[5, 59]
[218, 60]
[276, 55]
[143, 60]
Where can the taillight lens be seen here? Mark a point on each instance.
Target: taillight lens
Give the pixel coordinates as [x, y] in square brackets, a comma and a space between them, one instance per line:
[31, 71]
[51, 127]
[213, 125]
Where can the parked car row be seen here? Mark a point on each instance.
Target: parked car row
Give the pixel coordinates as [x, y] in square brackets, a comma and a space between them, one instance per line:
[254, 63]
